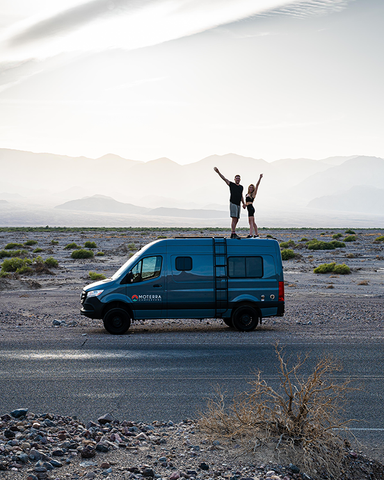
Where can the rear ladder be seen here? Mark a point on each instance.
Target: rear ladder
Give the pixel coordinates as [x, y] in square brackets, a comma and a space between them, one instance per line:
[221, 275]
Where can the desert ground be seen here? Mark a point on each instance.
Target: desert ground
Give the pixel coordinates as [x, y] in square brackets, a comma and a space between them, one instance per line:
[328, 306]
[39, 298]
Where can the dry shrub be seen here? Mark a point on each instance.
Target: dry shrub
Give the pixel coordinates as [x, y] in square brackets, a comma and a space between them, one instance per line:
[298, 421]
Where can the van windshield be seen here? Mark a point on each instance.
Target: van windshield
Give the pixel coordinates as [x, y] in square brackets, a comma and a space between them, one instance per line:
[126, 267]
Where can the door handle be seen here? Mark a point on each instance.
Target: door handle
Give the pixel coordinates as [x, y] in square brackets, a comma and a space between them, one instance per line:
[157, 285]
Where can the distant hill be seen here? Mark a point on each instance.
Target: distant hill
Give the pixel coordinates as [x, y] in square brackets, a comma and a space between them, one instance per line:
[103, 204]
[100, 203]
[357, 199]
[161, 190]
[367, 171]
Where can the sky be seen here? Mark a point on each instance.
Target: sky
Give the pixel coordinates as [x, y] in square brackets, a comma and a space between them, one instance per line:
[185, 79]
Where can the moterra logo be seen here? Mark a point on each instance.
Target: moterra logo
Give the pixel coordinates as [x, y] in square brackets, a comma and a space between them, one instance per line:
[146, 298]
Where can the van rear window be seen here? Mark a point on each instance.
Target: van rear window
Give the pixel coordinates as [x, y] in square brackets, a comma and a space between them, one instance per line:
[245, 267]
[183, 264]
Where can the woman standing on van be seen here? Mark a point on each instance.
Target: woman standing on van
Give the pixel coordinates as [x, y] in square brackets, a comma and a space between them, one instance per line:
[249, 198]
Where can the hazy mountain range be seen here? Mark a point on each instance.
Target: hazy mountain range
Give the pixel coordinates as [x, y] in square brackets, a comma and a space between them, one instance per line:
[38, 189]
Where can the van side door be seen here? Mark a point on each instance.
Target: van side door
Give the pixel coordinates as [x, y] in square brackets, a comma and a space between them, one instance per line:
[190, 285]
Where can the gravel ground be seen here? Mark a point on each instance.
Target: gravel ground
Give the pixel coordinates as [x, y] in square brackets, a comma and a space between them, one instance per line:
[317, 306]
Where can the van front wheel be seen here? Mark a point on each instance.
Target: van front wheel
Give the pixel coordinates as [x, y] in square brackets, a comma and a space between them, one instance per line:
[116, 321]
[245, 318]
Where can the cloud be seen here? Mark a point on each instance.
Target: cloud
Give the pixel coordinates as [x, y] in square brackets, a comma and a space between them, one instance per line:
[132, 24]
[72, 19]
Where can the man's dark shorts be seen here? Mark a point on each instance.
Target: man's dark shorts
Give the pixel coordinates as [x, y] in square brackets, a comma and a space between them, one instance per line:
[234, 210]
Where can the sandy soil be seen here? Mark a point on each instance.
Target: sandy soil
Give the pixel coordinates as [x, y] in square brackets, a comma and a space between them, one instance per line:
[311, 299]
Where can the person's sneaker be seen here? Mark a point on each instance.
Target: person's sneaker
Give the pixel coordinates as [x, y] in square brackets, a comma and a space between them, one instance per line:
[234, 235]
[256, 236]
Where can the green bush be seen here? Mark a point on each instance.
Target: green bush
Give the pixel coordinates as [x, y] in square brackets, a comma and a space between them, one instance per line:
[54, 242]
[15, 264]
[96, 276]
[24, 270]
[337, 235]
[131, 246]
[304, 239]
[71, 246]
[332, 268]
[161, 236]
[29, 243]
[11, 246]
[324, 268]
[342, 269]
[38, 250]
[82, 253]
[287, 254]
[51, 262]
[320, 245]
[90, 245]
[350, 232]
[350, 238]
[288, 244]
[380, 239]
[13, 253]
[337, 244]
[100, 254]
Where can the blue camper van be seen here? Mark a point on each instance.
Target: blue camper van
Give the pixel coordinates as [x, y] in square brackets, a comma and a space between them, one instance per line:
[237, 280]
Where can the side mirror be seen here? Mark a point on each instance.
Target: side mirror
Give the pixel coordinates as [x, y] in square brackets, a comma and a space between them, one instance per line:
[128, 278]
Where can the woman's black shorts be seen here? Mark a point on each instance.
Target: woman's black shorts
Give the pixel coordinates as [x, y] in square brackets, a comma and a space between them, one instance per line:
[251, 210]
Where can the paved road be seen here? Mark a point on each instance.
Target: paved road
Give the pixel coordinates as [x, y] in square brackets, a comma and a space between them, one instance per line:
[155, 377]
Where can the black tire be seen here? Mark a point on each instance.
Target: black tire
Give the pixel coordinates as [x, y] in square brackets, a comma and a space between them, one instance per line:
[245, 318]
[228, 322]
[116, 321]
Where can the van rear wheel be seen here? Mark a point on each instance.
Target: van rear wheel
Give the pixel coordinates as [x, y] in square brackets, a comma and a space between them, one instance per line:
[245, 318]
[117, 321]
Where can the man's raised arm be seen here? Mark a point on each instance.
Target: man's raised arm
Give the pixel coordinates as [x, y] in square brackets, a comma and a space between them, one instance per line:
[221, 175]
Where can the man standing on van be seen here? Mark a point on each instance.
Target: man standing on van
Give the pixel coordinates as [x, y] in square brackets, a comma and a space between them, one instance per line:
[234, 201]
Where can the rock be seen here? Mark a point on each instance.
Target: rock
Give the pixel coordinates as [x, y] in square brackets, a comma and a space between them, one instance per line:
[102, 447]
[107, 418]
[294, 468]
[9, 434]
[148, 472]
[20, 412]
[35, 454]
[48, 465]
[174, 475]
[105, 465]
[87, 452]
[204, 466]
[23, 457]
[58, 452]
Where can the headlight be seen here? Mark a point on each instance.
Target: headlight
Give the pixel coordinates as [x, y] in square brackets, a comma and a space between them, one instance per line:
[94, 293]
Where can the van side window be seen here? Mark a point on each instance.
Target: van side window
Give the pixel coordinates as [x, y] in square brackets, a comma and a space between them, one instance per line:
[147, 269]
[245, 267]
[183, 263]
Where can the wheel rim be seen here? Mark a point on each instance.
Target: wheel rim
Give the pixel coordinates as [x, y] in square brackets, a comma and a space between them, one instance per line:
[117, 321]
[246, 319]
